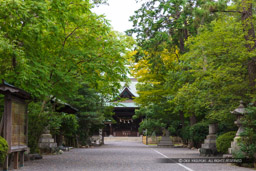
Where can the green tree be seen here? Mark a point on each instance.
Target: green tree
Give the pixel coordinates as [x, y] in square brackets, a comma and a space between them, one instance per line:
[171, 21]
[53, 48]
[208, 77]
[92, 112]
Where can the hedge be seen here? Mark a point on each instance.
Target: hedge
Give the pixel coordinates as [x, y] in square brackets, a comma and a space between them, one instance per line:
[223, 142]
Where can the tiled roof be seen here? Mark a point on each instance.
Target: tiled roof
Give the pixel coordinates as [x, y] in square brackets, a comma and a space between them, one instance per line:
[131, 86]
[128, 102]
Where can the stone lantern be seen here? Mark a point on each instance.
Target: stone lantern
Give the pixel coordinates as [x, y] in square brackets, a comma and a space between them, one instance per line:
[209, 148]
[239, 113]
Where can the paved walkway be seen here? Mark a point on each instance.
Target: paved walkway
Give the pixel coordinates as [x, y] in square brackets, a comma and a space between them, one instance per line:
[123, 156]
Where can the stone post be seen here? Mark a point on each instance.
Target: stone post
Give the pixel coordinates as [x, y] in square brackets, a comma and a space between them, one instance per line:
[209, 146]
[101, 137]
[110, 130]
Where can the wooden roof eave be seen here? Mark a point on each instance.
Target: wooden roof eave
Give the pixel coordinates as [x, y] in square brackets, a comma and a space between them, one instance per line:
[6, 88]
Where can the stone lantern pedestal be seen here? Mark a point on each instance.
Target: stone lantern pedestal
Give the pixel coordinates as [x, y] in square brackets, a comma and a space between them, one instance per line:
[46, 142]
[209, 145]
[239, 112]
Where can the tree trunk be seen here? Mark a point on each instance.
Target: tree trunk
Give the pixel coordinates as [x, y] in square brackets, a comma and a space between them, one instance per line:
[182, 118]
[248, 27]
[192, 119]
[14, 62]
[185, 30]
[181, 41]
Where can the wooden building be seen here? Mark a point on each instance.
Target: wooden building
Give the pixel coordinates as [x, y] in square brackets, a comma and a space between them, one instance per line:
[124, 124]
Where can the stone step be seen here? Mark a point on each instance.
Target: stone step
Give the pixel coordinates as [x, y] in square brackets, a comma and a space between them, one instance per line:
[165, 141]
[118, 139]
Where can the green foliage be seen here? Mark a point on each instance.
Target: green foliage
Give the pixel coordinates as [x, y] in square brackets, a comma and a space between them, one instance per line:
[155, 119]
[248, 141]
[175, 127]
[185, 134]
[223, 141]
[37, 124]
[52, 49]
[50, 53]
[92, 112]
[63, 124]
[202, 81]
[69, 125]
[195, 133]
[198, 133]
[169, 21]
[149, 126]
[58, 123]
[3, 149]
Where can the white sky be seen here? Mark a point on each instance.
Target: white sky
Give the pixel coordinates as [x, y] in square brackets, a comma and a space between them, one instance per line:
[119, 12]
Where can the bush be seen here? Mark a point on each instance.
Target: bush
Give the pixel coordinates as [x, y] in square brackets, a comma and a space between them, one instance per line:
[248, 137]
[185, 134]
[3, 149]
[223, 141]
[198, 132]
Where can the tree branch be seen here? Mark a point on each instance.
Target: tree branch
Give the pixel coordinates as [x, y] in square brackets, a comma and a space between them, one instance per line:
[213, 11]
[66, 38]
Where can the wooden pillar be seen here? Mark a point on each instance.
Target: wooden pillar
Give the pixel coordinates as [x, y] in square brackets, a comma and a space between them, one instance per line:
[16, 160]
[22, 158]
[6, 163]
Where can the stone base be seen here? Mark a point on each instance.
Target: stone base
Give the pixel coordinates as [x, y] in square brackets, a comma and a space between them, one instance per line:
[165, 142]
[46, 144]
[96, 140]
[208, 152]
[209, 147]
[234, 146]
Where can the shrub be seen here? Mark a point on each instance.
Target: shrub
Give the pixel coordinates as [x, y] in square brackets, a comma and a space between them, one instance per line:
[248, 137]
[198, 132]
[3, 149]
[185, 134]
[223, 141]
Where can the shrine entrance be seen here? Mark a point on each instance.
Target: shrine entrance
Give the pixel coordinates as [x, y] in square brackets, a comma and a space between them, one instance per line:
[124, 124]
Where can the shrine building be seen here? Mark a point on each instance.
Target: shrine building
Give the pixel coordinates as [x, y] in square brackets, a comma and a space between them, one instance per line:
[124, 124]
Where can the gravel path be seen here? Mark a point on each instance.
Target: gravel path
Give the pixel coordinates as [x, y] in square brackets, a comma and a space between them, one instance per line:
[124, 156]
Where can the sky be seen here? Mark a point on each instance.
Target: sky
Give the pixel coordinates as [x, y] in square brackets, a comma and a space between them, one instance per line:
[118, 12]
